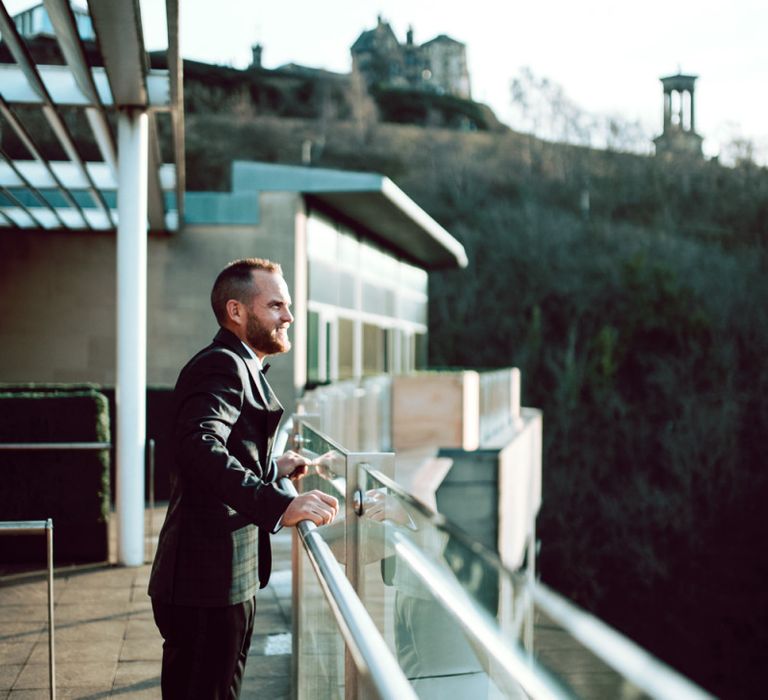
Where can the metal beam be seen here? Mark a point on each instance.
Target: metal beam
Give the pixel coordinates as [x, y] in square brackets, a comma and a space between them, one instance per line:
[176, 73]
[155, 203]
[64, 91]
[26, 139]
[118, 26]
[19, 204]
[22, 56]
[35, 192]
[7, 219]
[63, 21]
[65, 138]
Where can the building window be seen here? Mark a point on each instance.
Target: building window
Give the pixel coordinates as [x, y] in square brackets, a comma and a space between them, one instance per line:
[319, 332]
[313, 347]
[374, 350]
[367, 306]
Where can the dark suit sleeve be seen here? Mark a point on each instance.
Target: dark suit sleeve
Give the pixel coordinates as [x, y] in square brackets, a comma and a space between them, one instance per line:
[210, 403]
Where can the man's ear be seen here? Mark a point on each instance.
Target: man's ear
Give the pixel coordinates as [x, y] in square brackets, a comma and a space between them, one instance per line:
[235, 312]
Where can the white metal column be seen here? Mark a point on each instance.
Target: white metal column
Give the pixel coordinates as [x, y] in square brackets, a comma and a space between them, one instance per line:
[130, 392]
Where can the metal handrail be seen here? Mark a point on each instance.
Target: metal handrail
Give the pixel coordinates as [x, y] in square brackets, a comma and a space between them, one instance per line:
[371, 655]
[639, 667]
[78, 446]
[643, 670]
[40, 527]
[517, 666]
[24, 446]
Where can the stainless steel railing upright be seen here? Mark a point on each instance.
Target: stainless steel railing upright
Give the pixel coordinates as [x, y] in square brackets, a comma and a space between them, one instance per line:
[40, 527]
[376, 666]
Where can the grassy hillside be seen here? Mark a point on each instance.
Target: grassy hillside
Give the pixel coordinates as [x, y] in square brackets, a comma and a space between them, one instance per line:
[633, 295]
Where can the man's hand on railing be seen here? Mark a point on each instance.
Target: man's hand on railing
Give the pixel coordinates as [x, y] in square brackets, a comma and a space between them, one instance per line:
[292, 465]
[316, 506]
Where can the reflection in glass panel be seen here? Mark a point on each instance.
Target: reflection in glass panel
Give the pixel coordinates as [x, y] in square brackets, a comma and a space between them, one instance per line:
[328, 463]
[346, 348]
[459, 624]
[510, 635]
[374, 349]
[430, 644]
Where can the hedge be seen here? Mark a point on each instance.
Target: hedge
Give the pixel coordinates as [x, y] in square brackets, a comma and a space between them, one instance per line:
[72, 487]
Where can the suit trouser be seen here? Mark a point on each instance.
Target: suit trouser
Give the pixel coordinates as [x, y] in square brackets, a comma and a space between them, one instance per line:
[205, 649]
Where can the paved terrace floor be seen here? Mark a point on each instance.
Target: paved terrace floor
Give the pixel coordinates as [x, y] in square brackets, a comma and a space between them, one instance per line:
[107, 644]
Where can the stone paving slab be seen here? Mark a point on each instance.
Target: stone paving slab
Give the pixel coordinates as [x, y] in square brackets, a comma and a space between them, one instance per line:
[15, 652]
[83, 693]
[75, 652]
[22, 631]
[68, 675]
[8, 675]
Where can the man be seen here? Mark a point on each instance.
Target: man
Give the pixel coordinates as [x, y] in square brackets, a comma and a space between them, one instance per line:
[213, 552]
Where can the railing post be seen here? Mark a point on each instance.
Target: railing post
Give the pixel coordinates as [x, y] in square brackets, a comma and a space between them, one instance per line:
[51, 642]
[40, 527]
[151, 476]
[352, 559]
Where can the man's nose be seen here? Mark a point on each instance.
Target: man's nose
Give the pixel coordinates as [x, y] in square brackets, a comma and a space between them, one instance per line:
[287, 316]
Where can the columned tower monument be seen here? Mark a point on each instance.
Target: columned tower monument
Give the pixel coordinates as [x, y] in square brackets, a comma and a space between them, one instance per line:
[679, 136]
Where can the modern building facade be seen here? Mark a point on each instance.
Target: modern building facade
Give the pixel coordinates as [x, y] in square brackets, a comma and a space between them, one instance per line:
[354, 248]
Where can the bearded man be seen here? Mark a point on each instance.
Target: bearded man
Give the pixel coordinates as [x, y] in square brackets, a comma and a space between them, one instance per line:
[213, 552]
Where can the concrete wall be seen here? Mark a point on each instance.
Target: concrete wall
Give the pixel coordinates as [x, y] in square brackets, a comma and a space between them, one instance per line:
[58, 298]
[494, 495]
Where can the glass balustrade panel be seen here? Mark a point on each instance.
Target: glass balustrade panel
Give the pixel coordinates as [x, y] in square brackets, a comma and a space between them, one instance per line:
[321, 648]
[433, 649]
[319, 641]
[419, 570]
[452, 615]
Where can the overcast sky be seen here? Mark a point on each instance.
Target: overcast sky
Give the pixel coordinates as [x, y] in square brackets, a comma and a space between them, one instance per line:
[607, 55]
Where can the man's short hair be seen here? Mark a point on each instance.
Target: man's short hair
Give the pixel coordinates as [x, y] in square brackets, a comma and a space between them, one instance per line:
[235, 281]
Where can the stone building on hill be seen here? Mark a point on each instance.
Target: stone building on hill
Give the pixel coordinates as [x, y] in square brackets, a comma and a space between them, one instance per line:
[439, 65]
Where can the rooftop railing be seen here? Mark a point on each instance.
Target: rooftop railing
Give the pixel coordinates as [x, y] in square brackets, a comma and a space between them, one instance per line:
[455, 622]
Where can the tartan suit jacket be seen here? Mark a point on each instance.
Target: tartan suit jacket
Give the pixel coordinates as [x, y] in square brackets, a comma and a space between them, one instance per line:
[214, 547]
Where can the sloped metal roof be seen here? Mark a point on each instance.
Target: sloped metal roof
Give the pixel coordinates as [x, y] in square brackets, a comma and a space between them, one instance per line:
[47, 107]
[372, 201]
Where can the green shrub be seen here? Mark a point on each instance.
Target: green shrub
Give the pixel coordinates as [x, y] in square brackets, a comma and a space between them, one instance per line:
[69, 486]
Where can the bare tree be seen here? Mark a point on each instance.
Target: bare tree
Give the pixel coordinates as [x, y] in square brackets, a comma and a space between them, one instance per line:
[542, 108]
